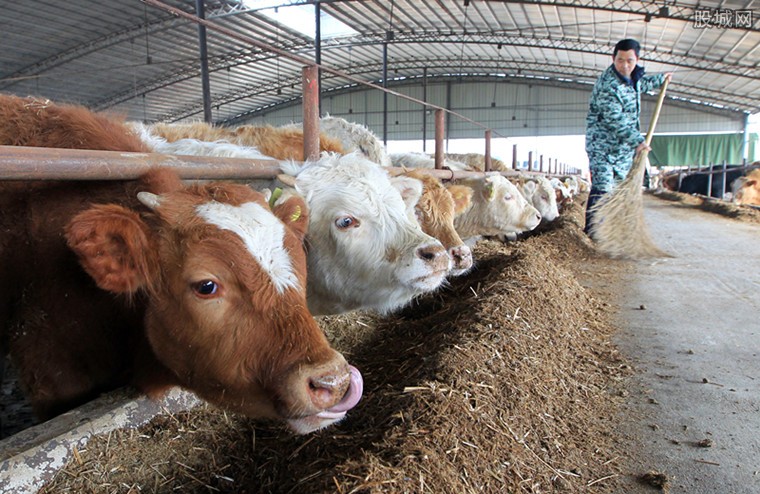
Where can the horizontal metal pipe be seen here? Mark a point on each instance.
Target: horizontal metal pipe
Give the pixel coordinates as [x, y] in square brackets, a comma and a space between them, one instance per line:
[31, 163]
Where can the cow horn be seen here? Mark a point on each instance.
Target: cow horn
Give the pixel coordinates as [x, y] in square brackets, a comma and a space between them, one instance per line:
[149, 199]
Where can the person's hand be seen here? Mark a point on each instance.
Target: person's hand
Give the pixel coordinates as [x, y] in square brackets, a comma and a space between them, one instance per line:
[668, 76]
[641, 147]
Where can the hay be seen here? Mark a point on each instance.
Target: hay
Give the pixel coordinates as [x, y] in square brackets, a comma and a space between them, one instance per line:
[505, 381]
[617, 224]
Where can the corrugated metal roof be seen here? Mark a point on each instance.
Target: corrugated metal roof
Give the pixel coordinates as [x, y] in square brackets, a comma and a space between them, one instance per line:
[137, 59]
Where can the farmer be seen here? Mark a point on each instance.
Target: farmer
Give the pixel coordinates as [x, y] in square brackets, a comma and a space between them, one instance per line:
[613, 135]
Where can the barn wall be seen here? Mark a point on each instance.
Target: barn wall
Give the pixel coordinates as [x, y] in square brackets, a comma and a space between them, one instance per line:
[511, 109]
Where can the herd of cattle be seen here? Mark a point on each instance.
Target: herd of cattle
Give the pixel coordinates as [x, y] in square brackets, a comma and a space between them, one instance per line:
[740, 185]
[159, 283]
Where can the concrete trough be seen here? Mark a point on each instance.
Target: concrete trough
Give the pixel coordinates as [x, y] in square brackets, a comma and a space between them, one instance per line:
[31, 457]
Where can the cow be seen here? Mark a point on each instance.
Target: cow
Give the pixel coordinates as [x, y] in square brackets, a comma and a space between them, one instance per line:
[195, 147]
[365, 249]
[746, 190]
[477, 162]
[539, 192]
[498, 208]
[158, 284]
[354, 137]
[274, 142]
[562, 193]
[697, 182]
[39, 122]
[422, 160]
[436, 210]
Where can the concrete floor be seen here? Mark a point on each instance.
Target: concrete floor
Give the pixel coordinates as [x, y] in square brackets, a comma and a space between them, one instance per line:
[693, 411]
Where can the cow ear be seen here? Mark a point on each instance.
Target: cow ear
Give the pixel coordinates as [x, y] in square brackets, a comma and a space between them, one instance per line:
[410, 189]
[462, 196]
[288, 180]
[489, 189]
[114, 247]
[293, 212]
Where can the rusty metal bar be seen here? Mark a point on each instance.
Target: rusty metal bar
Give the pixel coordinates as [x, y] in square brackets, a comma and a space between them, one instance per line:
[487, 164]
[310, 78]
[305, 61]
[439, 124]
[30, 163]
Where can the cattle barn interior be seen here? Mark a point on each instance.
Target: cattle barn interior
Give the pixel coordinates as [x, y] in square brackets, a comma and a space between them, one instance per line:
[529, 373]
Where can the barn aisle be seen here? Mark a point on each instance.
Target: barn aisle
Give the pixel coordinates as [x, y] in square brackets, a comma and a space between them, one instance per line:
[691, 327]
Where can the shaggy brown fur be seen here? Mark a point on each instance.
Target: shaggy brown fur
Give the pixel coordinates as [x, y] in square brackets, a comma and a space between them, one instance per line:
[39, 122]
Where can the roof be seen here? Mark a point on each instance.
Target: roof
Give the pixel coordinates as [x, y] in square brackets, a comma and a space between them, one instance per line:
[141, 60]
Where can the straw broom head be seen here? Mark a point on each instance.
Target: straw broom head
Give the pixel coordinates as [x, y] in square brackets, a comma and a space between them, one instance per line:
[617, 224]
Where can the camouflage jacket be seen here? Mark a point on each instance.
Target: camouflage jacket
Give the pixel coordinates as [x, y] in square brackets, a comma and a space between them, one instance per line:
[612, 123]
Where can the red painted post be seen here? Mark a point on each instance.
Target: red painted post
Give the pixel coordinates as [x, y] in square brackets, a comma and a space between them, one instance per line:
[310, 77]
[439, 131]
[514, 157]
[487, 165]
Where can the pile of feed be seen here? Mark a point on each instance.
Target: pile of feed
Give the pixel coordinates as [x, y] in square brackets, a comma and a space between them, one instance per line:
[504, 381]
[717, 206]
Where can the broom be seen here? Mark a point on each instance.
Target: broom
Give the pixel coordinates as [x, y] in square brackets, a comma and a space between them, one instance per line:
[617, 224]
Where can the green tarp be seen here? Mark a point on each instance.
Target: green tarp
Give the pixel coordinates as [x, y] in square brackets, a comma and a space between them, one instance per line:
[701, 150]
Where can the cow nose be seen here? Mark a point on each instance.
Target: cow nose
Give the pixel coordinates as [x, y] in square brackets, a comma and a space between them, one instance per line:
[431, 253]
[462, 256]
[327, 389]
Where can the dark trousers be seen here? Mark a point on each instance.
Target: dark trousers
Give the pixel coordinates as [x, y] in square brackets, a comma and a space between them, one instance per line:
[593, 197]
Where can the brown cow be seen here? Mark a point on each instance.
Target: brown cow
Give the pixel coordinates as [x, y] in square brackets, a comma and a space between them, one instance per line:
[747, 189]
[39, 122]
[436, 210]
[203, 288]
[279, 143]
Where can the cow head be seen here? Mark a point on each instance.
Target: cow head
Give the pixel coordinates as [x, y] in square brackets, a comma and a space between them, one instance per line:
[224, 278]
[436, 210]
[365, 248]
[540, 193]
[747, 189]
[497, 208]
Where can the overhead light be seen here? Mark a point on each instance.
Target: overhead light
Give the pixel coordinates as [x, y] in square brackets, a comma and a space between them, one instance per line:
[664, 11]
[648, 17]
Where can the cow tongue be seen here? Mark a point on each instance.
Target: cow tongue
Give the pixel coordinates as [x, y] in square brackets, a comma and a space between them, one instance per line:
[353, 394]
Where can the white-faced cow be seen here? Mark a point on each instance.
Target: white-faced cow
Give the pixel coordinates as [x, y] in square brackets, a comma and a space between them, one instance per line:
[365, 249]
[539, 192]
[158, 284]
[498, 208]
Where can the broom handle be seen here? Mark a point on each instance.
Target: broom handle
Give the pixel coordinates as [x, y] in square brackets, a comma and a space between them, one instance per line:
[656, 113]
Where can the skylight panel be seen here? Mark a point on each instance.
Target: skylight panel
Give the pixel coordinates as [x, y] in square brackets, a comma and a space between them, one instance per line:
[299, 17]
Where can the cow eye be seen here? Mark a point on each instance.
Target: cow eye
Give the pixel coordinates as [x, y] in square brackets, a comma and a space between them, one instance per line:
[507, 197]
[206, 288]
[345, 222]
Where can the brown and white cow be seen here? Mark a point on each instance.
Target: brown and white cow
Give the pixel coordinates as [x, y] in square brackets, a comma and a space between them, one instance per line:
[158, 284]
[436, 210]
